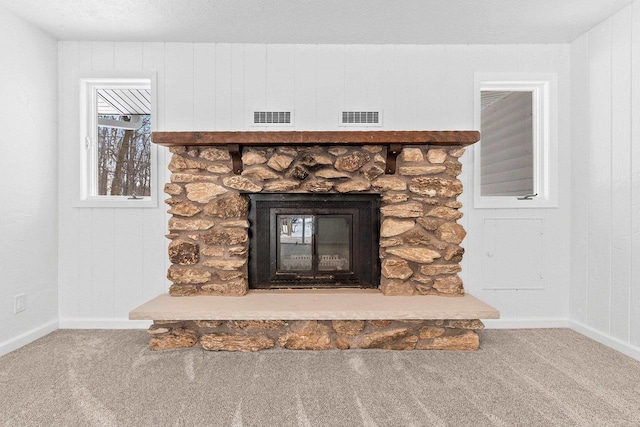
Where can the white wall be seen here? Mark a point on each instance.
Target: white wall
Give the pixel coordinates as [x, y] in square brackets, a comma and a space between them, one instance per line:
[605, 232]
[112, 260]
[28, 119]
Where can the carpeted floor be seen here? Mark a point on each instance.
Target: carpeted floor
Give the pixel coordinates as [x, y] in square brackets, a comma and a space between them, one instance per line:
[552, 377]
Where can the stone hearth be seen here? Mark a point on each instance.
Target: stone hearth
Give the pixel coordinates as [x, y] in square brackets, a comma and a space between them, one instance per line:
[272, 317]
[419, 238]
[253, 335]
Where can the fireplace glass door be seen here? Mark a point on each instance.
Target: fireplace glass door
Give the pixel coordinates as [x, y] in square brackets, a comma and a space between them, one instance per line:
[313, 241]
[311, 244]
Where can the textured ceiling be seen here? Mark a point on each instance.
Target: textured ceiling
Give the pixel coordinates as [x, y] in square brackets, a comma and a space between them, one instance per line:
[318, 21]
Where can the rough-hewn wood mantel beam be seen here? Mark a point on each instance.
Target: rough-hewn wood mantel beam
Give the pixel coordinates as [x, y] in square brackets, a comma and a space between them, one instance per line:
[266, 138]
[394, 140]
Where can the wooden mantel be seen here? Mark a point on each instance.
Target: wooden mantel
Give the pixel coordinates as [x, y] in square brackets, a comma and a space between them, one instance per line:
[394, 140]
[266, 138]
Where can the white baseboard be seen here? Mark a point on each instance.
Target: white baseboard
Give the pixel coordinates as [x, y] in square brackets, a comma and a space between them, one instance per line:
[89, 323]
[28, 337]
[612, 342]
[525, 323]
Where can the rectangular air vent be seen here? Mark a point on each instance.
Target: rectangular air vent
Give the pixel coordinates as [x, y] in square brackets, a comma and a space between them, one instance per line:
[361, 118]
[272, 118]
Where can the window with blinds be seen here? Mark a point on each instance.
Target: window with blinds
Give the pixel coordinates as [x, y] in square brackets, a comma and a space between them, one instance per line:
[506, 159]
[515, 162]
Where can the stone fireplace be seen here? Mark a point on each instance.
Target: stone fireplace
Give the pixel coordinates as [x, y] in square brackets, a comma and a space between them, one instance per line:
[298, 214]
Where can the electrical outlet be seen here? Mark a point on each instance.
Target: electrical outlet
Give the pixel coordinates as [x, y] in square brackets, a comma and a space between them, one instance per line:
[19, 303]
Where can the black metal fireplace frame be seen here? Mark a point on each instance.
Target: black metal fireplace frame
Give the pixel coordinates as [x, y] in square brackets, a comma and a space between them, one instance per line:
[365, 212]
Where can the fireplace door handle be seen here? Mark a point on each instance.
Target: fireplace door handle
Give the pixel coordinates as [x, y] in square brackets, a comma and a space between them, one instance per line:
[528, 196]
[317, 276]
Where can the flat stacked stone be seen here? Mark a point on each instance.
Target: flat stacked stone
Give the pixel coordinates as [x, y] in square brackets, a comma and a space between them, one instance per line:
[419, 236]
[254, 335]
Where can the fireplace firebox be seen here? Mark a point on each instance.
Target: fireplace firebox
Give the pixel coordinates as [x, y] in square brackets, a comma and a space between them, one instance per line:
[314, 241]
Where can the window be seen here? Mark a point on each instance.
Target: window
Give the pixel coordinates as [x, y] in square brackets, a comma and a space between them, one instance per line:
[512, 161]
[118, 165]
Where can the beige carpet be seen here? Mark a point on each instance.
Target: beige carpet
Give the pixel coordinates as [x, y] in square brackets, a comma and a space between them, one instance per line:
[518, 378]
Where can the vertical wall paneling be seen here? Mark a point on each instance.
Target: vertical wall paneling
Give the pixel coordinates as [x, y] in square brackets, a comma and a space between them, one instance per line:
[280, 77]
[536, 303]
[420, 88]
[580, 169]
[102, 56]
[154, 258]
[68, 218]
[560, 169]
[127, 227]
[153, 61]
[102, 219]
[178, 86]
[330, 85]
[446, 104]
[459, 83]
[634, 295]
[127, 275]
[429, 98]
[128, 57]
[374, 78]
[507, 300]
[423, 105]
[101, 242]
[620, 173]
[387, 86]
[84, 246]
[605, 85]
[355, 79]
[237, 87]
[255, 81]
[305, 81]
[404, 88]
[223, 82]
[204, 84]
[599, 280]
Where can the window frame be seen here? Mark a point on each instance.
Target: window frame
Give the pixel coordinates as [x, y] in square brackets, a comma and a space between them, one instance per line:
[88, 141]
[543, 87]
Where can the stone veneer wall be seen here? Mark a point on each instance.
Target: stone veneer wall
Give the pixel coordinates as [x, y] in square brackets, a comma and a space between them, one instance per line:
[254, 335]
[419, 236]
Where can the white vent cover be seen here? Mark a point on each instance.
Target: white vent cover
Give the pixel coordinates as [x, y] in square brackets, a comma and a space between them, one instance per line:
[272, 117]
[361, 118]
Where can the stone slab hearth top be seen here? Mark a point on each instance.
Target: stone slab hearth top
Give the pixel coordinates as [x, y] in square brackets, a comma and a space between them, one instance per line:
[313, 305]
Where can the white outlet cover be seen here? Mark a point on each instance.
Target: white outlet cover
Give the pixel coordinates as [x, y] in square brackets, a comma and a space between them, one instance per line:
[19, 303]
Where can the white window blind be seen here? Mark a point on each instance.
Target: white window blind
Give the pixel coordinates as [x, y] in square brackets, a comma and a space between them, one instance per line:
[507, 155]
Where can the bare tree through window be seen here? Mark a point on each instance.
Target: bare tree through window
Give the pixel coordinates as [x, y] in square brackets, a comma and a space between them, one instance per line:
[124, 157]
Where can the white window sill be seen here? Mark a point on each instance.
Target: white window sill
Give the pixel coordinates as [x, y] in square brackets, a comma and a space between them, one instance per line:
[116, 202]
[498, 202]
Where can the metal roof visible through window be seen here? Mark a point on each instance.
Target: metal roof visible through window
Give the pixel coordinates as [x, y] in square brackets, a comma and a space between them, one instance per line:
[124, 102]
